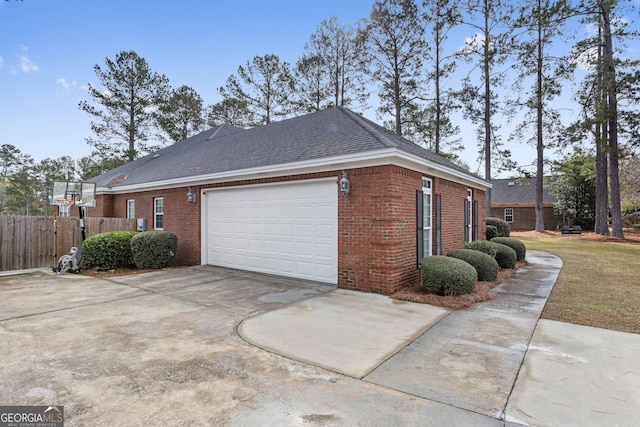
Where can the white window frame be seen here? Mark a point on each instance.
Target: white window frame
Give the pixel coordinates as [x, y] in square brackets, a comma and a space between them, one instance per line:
[508, 214]
[427, 217]
[469, 225]
[131, 208]
[158, 213]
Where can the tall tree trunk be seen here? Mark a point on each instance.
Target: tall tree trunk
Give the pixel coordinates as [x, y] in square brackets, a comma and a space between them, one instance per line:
[602, 189]
[602, 186]
[612, 120]
[132, 126]
[540, 141]
[438, 101]
[487, 105]
[398, 103]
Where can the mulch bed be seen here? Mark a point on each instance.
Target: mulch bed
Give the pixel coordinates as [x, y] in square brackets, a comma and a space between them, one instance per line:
[480, 294]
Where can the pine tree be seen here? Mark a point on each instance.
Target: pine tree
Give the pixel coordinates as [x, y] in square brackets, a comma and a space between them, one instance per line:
[123, 110]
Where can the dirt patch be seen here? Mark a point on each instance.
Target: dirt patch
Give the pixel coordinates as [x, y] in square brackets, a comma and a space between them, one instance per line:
[480, 294]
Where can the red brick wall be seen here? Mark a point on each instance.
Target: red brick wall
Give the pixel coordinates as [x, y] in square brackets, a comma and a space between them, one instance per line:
[453, 196]
[376, 222]
[180, 217]
[524, 217]
[377, 230]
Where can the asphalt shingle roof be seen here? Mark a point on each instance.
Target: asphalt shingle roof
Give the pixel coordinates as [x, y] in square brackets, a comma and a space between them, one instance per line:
[517, 191]
[330, 132]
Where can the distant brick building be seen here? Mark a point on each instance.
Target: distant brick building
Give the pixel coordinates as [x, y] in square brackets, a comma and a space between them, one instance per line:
[270, 199]
[514, 200]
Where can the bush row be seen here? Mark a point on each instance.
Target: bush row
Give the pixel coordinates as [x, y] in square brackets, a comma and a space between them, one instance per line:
[485, 265]
[457, 273]
[149, 249]
[502, 226]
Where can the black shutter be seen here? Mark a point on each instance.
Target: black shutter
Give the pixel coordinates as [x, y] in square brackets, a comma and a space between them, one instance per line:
[475, 220]
[419, 226]
[438, 224]
[466, 219]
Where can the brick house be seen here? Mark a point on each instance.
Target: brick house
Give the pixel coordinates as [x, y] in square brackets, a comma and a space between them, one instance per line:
[270, 199]
[514, 200]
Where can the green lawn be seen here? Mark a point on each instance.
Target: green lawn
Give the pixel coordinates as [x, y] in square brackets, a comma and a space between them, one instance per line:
[599, 284]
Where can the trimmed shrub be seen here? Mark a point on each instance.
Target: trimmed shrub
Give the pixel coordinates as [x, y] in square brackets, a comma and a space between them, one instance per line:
[483, 246]
[154, 249]
[442, 275]
[506, 256]
[492, 231]
[503, 226]
[106, 251]
[631, 220]
[486, 266]
[515, 244]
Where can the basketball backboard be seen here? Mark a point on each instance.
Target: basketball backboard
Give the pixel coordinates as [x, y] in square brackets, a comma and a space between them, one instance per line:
[80, 193]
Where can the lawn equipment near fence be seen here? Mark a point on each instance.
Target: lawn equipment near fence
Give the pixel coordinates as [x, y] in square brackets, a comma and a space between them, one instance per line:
[69, 262]
[64, 195]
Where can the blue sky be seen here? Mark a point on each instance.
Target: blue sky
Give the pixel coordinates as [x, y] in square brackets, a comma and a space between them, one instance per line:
[48, 50]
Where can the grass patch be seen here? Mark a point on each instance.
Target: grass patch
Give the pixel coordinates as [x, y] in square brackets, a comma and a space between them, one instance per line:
[599, 284]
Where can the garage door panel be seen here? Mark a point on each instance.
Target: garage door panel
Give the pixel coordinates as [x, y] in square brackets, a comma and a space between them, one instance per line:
[324, 251]
[288, 229]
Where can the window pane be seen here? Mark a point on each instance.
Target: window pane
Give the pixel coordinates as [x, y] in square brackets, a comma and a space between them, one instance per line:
[426, 242]
[508, 215]
[427, 211]
[159, 213]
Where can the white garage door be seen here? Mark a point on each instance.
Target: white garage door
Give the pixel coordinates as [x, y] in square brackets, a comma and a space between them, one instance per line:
[289, 229]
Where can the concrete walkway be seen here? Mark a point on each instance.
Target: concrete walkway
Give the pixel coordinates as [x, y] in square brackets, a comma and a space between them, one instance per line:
[346, 332]
[481, 361]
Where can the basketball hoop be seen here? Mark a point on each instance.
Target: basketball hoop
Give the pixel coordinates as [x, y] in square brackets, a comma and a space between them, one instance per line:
[64, 206]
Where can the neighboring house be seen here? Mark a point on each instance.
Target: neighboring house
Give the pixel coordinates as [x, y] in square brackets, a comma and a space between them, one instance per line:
[269, 199]
[514, 200]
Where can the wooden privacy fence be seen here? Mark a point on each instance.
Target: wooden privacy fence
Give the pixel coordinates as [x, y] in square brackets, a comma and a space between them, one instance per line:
[39, 241]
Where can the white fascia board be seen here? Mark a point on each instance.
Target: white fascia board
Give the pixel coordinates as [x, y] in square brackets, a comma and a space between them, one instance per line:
[385, 156]
[440, 171]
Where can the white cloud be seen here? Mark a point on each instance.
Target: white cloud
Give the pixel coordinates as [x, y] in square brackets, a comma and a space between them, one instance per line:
[1, 62]
[64, 83]
[70, 85]
[27, 65]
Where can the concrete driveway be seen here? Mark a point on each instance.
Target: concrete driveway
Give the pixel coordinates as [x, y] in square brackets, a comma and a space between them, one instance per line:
[163, 348]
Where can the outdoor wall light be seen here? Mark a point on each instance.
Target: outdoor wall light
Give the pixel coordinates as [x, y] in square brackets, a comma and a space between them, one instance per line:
[191, 196]
[345, 185]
